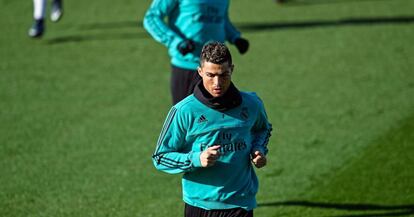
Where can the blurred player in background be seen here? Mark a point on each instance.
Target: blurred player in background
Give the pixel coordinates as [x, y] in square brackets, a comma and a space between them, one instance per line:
[39, 13]
[190, 25]
[214, 137]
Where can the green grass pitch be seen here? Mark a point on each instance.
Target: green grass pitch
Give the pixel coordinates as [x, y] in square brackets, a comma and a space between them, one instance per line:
[81, 109]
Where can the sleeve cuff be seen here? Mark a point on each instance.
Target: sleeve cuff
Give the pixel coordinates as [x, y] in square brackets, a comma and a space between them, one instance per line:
[195, 159]
[260, 149]
[233, 39]
[174, 42]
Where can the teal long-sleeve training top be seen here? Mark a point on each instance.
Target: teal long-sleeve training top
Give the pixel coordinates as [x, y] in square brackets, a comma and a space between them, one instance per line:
[198, 20]
[191, 127]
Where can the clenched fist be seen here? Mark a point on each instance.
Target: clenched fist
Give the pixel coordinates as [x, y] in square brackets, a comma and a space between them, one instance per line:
[209, 157]
[259, 159]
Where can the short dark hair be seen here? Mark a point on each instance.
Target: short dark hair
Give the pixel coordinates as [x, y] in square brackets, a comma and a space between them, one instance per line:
[215, 52]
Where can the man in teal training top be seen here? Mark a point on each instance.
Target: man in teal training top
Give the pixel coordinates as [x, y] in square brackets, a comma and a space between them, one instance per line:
[213, 137]
[190, 24]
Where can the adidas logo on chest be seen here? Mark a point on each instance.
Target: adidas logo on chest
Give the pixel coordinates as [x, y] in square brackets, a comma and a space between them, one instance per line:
[202, 119]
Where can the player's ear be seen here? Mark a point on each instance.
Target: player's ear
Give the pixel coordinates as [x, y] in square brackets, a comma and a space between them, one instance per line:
[199, 70]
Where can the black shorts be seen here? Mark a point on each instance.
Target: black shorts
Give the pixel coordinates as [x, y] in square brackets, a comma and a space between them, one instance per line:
[192, 211]
[183, 82]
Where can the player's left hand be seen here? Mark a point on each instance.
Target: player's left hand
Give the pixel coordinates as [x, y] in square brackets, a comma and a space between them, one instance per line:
[242, 45]
[259, 159]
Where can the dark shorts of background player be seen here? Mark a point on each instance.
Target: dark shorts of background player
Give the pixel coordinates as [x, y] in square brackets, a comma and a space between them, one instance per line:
[192, 211]
[183, 82]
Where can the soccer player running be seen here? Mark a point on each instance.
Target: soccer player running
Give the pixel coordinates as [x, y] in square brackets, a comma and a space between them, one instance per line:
[39, 12]
[190, 25]
[213, 137]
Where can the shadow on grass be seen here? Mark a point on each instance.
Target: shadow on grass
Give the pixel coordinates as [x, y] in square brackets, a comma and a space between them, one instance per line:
[380, 210]
[319, 2]
[254, 27]
[244, 27]
[97, 37]
[112, 25]
[251, 27]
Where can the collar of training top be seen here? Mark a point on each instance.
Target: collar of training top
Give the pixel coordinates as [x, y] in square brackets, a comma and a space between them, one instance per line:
[229, 100]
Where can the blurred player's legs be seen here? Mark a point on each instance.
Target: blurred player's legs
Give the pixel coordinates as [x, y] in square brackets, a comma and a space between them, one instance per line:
[192, 211]
[57, 11]
[39, 10]
[38, 27]
[183, 82]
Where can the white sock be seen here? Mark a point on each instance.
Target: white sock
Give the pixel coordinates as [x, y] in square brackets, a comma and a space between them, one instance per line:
[39, 9]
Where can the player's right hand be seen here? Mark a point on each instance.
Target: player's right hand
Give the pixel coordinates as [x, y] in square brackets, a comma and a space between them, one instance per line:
[186, 46]
[209, 157]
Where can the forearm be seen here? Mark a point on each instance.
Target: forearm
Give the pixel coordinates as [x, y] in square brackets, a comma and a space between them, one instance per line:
[175, 162]
[231, 32]
[261, 138]
[155, 25]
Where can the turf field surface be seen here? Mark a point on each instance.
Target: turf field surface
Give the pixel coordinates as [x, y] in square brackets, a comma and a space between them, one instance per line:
[81, 109]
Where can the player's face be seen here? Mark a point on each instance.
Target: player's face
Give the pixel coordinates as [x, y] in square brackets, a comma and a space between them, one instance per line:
[216, 77]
